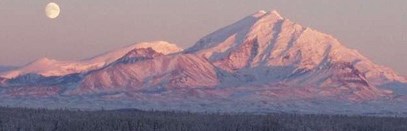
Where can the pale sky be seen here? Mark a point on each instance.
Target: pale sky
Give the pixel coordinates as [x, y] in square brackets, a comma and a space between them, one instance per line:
[85, 28]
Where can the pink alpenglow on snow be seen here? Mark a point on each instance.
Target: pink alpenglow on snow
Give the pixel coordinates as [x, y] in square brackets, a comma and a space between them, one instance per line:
[261, 63]
[50, 67]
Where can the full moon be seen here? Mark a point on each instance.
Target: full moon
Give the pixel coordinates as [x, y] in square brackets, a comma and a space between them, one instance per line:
[52, 10]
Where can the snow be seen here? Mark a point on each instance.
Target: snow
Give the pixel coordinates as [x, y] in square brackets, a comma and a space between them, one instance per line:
[209, 101]
[262, 63]
[274, 41]
[173, 71]
[276, 14]
[259, 13]
[50, 67]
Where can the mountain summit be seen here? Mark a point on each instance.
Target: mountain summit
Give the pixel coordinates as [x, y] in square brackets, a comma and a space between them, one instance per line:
[264, 62]
[50, 67]
[266, 42]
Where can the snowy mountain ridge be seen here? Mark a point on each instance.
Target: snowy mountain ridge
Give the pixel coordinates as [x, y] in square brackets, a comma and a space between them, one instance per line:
[262, 63]
[50, 67]
[280, 42]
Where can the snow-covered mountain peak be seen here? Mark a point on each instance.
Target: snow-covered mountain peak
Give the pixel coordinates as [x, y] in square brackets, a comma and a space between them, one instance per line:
[263, 60]
[246, 28]
[142, 52]
[262, 26]
[160, 46]
[268, 41]
[259, 13]
[43, 61]
[263, 13]
[276, 14]
[139, 55]
[50, 67]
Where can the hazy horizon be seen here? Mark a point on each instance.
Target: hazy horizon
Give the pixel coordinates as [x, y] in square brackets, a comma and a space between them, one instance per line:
[86, 28]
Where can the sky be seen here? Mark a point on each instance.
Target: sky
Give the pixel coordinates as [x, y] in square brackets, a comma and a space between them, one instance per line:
[85, 28]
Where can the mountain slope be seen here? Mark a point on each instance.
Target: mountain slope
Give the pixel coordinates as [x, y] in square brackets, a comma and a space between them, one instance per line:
[261, 50]
[2, 80]
[261, 63]
[50, 67]
[146, 69]
[266, 42]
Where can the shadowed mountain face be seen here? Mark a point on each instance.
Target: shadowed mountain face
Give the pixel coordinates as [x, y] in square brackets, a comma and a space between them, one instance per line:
[268, 48]
[265, 39]
[262, 62]
[2, 80]
[50, 67]
[145, 69]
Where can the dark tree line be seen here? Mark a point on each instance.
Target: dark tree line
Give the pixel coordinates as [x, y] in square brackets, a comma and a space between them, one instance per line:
[20, 119]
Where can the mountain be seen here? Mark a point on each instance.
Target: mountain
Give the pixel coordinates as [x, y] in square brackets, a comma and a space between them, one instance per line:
[146, 69]
[265, 47]
[50, 67]
[2, 80]
[265, 39]
[262, 63]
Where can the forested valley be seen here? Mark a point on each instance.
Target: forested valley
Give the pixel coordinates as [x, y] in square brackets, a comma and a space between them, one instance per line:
[22, 119]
